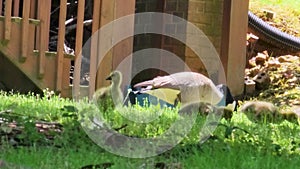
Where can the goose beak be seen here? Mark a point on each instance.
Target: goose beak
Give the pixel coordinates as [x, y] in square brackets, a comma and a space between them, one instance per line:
[108, 78]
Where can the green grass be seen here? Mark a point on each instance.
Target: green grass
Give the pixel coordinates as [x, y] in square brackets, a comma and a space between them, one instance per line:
[292, 5]
[213, 154]
[287, 17]
[237, 143]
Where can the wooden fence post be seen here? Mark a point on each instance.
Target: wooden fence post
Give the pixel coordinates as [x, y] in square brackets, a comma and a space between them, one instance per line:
[16, 7]
[94, 46]
[78, 48]
[1, 6]
[44, 7]
[7, 22]
[105, 67]
[25, 29]
[60, 44]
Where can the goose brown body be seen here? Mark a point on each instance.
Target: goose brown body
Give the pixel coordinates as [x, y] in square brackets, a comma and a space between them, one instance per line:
[194, 87]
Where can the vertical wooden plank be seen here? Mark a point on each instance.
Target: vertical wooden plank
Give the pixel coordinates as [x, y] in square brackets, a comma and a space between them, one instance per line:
[94, 46]
[60, 44]
[225, 34]
[40, 37]
[1, 6]
[66, 92]
[25, 29]
[105, 67]
[44, 7]
[33, 9]
[79, 30]
[16, 7]
[78, 47]
[125, 47]
[7, 22]
[237, 47]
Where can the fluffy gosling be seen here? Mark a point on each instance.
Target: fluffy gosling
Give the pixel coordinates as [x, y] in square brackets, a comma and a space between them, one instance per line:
[110, 95]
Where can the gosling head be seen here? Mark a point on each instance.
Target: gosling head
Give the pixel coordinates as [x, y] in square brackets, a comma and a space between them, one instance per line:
[115, 77]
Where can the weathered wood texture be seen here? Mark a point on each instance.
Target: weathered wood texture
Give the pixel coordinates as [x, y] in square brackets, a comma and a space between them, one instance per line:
[25, 41]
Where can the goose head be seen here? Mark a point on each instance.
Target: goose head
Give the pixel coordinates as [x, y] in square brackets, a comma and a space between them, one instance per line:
[115, 77]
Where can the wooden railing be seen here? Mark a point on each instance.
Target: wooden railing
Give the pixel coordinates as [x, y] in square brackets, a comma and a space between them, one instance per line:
[24, 36]
[25, 41]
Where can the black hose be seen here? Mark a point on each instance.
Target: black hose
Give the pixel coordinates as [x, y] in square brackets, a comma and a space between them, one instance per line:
[272, 33]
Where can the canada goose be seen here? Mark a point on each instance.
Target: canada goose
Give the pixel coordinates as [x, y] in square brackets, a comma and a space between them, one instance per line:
[194, 87]
[111, 94]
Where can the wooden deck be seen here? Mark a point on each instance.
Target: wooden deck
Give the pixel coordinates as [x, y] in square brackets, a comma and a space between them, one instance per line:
[24, 41]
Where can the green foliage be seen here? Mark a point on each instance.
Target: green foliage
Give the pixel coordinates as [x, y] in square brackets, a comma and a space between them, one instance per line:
[236, 143]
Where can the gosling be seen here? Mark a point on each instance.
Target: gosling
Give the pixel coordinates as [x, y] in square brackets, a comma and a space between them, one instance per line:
[269, 110]
[111, 94]
[260, 109]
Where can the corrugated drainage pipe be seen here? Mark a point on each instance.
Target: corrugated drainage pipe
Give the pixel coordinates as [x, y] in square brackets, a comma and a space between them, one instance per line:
[273, 34]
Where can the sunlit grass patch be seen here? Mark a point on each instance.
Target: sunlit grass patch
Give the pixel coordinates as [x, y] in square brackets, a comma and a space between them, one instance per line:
[238, 142]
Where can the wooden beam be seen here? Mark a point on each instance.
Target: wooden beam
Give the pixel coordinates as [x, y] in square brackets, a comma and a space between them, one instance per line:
[225, 33]
[7, 22]
[237, 46]
[105, 66]
[44, 7]
[25, 29]
[78, 48]
[124, 48]
[94, 46]
[33, 10]
[60, 45]
[16, 7]
[1, 6]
